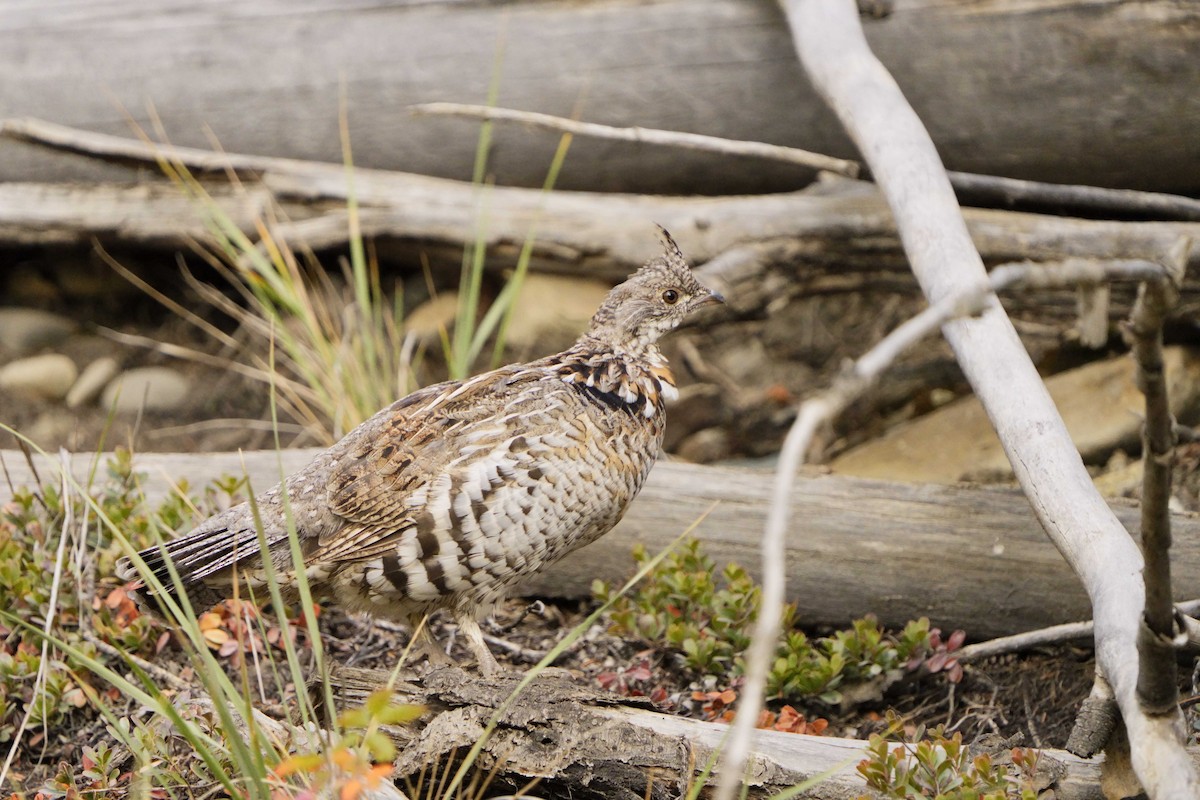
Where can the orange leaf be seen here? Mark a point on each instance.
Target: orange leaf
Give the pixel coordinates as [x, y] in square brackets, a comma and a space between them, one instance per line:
[351, 789]
[343, 758]
[215, 637]
[208, 620]
[116, 597]
[377, 773]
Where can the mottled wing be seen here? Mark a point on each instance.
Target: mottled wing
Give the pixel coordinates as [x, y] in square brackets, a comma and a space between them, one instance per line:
[379, 485]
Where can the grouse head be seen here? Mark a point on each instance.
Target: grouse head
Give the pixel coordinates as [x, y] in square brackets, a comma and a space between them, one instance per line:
[651, 302]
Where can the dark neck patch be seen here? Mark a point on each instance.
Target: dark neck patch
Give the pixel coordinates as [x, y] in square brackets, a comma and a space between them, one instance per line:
[618, 383]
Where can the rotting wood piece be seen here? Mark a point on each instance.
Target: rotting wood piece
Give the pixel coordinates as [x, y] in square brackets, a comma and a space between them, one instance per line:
[583, 743]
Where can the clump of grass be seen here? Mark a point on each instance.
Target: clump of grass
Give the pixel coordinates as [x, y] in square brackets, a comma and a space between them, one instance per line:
[341, 351]
[333, 353]
[706, 616]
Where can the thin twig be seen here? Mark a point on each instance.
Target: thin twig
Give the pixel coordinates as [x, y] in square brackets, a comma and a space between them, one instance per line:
[978, 189]
[689, 141]
[1054, 634]
[1157, 681]
[165, 677]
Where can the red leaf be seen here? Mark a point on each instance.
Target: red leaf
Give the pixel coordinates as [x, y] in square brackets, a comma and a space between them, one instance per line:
[956, 640]
[639, 673]
[937, 661]
[116, 597]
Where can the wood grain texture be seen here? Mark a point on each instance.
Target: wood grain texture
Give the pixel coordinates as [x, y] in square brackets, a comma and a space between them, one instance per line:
[599, 746]
[816, 240]
[1090, 91]
[970, 558]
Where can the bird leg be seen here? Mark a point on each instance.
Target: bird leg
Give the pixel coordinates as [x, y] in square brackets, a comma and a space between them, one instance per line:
[424, 644]
[468, 626]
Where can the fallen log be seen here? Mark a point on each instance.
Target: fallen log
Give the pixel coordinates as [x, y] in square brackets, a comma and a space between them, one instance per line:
[592, 745]
[835, 229]
[1009, 88]
[761, 249]
[965, 557]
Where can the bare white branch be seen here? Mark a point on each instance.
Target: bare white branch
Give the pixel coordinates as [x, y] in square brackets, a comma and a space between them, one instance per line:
[823, 409]
[835, 54]
[689, 141]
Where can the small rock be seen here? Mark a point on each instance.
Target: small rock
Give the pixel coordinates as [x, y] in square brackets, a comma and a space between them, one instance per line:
[1099, 403]
[27, 286]
[26, 329]
[698, 407]
[146, 388]
[745, 361]
[433, 316]
[91, 381]
[53, 429]
[706, 446]
[48, 376]
[552, 310]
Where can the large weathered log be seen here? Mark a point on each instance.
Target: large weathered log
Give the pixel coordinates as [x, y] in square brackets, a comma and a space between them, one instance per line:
[595, 746]
[1085, 91]
[967, 558]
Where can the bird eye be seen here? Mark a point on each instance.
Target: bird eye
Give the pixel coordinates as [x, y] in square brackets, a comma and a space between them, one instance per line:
[670, 297]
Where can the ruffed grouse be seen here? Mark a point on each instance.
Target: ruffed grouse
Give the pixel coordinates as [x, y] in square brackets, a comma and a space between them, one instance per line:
[453, 494]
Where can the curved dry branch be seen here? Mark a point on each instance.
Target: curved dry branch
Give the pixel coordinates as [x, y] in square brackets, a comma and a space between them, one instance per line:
[986, 190]
[906, 166]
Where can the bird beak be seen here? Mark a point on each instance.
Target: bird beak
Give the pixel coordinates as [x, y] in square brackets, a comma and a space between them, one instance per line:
[713, 298]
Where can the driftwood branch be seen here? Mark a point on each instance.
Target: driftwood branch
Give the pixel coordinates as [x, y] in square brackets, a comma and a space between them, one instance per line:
[587, 744]
[823, 409]
[905, 164]
[1058, 634]
[1122, 120]
[1157, 681]
[690, 141]
[972, 189]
